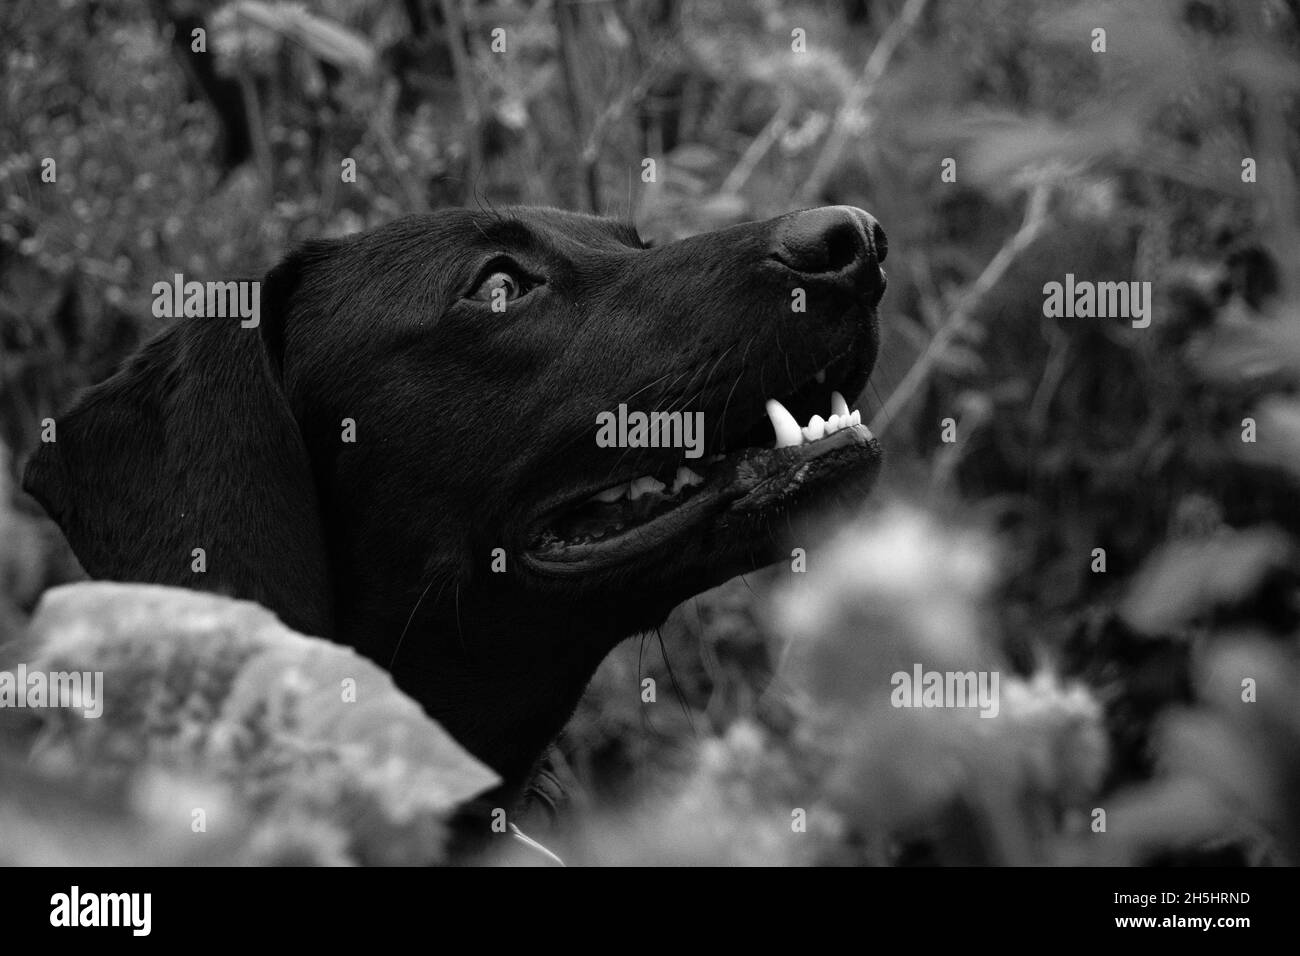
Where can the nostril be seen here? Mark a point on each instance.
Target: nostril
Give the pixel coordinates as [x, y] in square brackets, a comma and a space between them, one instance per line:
[842, 247]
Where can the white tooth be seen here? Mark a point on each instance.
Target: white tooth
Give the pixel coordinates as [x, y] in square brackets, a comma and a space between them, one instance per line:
[833, 424]
[838, 405]
[815, 429]
[783, 423]
[855, 417]
[644, 486]
[821, 377]
[610, 494]
[685, 477]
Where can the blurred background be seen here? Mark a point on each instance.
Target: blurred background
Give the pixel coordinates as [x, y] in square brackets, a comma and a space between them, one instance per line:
[1001, 147]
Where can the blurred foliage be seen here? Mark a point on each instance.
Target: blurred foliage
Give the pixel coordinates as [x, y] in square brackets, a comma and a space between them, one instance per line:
[1122, 690]
[221, 728]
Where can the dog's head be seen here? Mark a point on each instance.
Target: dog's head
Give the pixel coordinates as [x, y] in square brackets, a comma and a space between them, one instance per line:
[448, 406]
[495, 366]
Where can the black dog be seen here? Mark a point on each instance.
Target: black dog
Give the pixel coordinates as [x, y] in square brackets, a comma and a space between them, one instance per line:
[474, 537]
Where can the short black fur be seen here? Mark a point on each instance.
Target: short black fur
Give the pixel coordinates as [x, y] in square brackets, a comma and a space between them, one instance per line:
[467, 422]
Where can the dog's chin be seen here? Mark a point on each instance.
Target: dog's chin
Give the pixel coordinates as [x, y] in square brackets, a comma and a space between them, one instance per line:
[722, 514]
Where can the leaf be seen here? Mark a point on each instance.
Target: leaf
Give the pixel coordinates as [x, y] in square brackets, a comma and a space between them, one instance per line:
[1186, 579]
[322, 38]
[695, 157]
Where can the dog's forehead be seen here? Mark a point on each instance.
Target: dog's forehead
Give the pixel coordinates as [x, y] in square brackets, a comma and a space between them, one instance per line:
[539, 229]
[580, 226]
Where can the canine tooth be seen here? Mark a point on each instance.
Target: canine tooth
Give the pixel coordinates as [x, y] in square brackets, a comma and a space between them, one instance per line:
[815, 429]
[685, 477]
[855, 417]
[821, 377]
[787, 429]
[610, 495]
[833, 424]
[838, 405]
[644, 486]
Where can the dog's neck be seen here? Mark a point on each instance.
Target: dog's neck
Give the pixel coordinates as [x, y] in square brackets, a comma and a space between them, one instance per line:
[493, 673]
[501, 670]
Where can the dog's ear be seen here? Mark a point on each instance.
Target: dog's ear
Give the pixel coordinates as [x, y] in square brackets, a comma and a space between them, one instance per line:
[192, 445]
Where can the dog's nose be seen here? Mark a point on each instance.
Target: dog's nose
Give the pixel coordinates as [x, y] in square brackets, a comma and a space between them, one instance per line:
[831, 240]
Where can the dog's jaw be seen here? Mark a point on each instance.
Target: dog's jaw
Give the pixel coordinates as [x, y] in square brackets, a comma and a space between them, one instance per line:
[742, 498]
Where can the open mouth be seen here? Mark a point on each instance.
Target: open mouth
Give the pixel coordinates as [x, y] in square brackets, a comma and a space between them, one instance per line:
[771, 467]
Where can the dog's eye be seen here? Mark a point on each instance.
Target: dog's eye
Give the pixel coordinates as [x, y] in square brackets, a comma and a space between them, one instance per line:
[486, 291]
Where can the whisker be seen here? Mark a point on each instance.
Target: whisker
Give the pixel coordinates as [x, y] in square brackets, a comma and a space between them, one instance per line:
[646, 722]
[460, 630]
[411, 616]
[621, 458]
[681, 698]
[744, 360]
[880, 403]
